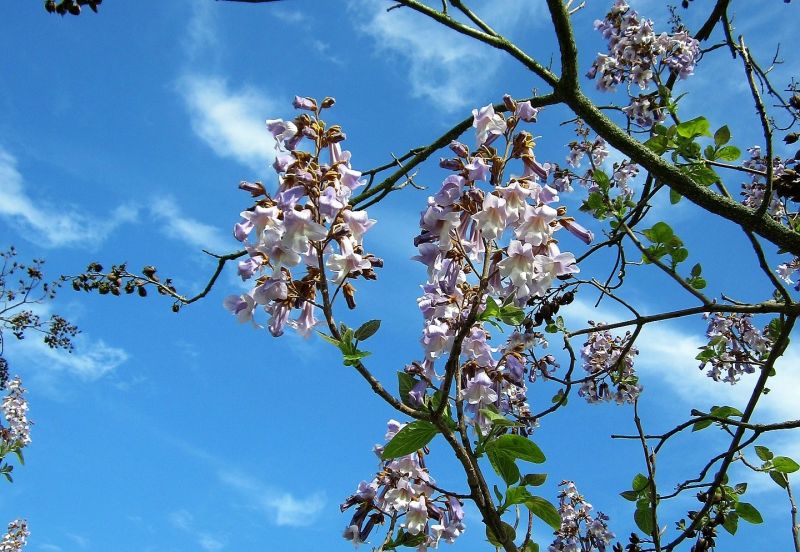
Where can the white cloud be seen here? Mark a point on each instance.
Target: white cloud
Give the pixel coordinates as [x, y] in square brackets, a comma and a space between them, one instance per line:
[186, 229]
[201, 34]
[183, 520]
[50, 547]
[49, 224]
[288, 16]
[282, 507]
[91, 360]
[443, 65]
[230, 121]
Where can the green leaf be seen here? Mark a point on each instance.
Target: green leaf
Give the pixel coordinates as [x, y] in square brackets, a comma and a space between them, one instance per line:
[740, 488]
[545, 511]
[749, 513]
[496, 418]
[698, 283]
[329, 339]
[534, 479]
[512, 315]
[602, 179]
[367, 329]
[516, 495]
[694, 127]
[696, 270]
[731, 522]
[629, 495]
[657, 144]
[725, 412]
[729, 153]
[518, 447]
[531, 547]
[644, 520]
[779, 478]
[492, 310]
[722, 136]
[639, 483]
[351, 359]
[784, 464]
[659, 233]
[763, 453]
[674, 197]
[405, 383]
[700, 173]
[18, 453]
[508, 531]
[679, 255]
[503, 465]
[410, 439]
[702, 424]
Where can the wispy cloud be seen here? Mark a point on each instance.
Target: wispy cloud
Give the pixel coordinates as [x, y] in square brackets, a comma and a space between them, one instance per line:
[201, 34]
[230, 121]
[443, 66]
[183, 520]
[289, 16]
[281, 506]
[49, 224]
[192, 232]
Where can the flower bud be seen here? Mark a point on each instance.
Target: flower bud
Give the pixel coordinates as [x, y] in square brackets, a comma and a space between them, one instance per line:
[309, 104]
[459, 149]
[328, 102]
[349, 295]
[509, 102]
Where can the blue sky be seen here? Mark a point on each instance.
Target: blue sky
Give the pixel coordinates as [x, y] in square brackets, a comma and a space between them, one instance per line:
[123, 137]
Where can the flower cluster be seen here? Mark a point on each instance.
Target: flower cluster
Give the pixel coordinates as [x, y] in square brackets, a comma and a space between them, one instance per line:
[579, 532]
[753, 191]
[403, 490]
[17, 429]
[735, 346]
[16, 537]
[607, 357]
[636, 55]
[504, 238]
[307, 225]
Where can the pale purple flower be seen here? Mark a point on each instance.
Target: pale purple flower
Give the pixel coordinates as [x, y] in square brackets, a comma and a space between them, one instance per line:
[417, 516]
[535, 227]
[248, 267]
[437, 337]
[492, 218]
[346, 262]
[526, 112]
[305, 323]
[241, 306]
[17, 428]
[304, 103]
[478, 169]
[488, 124]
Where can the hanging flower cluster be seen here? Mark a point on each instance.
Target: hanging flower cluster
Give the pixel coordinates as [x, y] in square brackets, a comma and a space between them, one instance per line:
[636, 55]
[753, 191]
[17, 429]
[735, 346]
[16, 537]
[579, 531]
[403, 490]
[488, 239]
[306, 226]
[608, 360]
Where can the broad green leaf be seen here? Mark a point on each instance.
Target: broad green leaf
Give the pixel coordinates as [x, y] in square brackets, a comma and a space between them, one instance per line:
[659, 233]
[602, 179]
[413, 541]
[779, 478]
[700, 173]
[764, 453]
[674, 197]
[694, 127]
[698, 283]
[749, 513]
[657, 144]
[729, 153]
[492, 310]
[784, 464]
[503, 465]
[512, 315]
[725, 412]
[18, 453]
[410, 439]
[640, 482]
[534, 479]
[545, 511]
[740, 488]
[629, 495]
[516, 495]
[518, 447]
[497, 419]
[696, 270]
[508, 531]
[644, 520]
[722, 136]
[731, 523]
[531, 547]
[702, 424]
[367, 329]
[405, 383]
